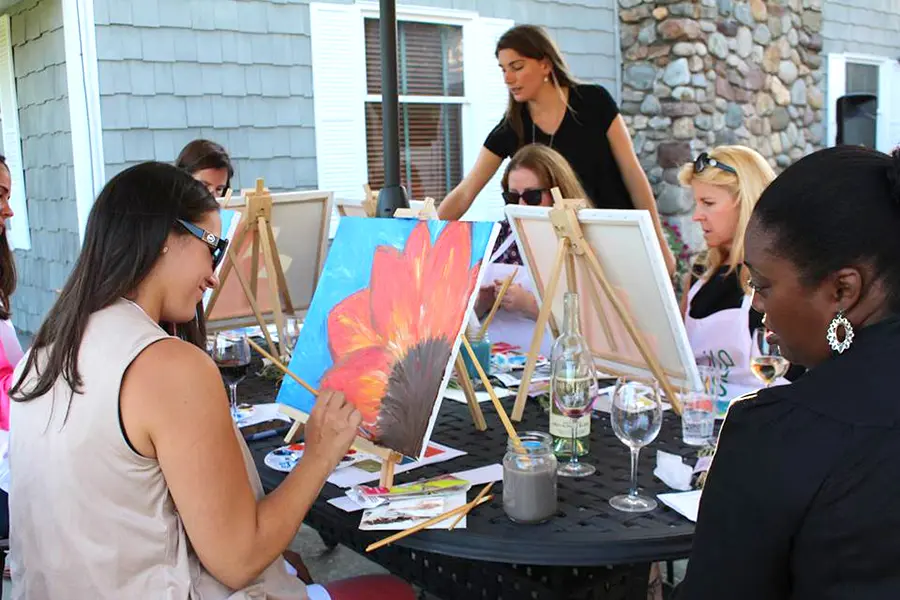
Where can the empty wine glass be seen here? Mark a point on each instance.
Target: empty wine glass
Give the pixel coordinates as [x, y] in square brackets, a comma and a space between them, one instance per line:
[768, 365]
[232, 356]
[636, 417]
[291, 333]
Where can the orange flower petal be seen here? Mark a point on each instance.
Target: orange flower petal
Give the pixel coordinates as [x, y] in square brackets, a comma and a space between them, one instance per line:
[350, 325]
[363, 378]
[417, 248]
[448, 283]
[395, 301]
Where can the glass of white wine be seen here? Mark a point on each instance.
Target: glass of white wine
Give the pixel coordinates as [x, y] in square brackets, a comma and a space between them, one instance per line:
[769, 364]
[636, 418]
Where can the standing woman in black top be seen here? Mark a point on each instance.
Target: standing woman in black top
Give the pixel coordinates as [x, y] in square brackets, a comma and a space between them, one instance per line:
[581, 121]
[801, 501]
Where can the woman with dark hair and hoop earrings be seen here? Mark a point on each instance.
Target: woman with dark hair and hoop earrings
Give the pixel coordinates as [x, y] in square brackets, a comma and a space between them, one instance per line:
[208, 163]
[10, 350]
[581, 121]
[131, 479]
[801, 498]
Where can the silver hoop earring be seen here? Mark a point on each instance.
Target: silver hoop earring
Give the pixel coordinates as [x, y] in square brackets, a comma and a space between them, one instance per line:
[839, 321]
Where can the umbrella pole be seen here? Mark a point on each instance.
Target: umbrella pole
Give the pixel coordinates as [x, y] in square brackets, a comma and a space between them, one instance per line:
[392, 195]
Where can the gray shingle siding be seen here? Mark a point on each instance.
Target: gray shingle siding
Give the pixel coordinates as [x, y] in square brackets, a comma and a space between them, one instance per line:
[40, 70]
[236, 72]
[862, 26]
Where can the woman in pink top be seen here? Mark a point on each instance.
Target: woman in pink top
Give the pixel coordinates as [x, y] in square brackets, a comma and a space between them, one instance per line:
[130, 479]
[10, 350]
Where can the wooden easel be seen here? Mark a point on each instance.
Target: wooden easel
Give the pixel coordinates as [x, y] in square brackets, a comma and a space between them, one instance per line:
[257, 223]
[429, 212]
[370, 202]
[573, 248]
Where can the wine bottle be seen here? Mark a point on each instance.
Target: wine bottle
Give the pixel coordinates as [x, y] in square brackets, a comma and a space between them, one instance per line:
[571, 361]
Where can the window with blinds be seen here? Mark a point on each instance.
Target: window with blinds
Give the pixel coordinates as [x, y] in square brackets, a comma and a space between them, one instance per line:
[430, 78]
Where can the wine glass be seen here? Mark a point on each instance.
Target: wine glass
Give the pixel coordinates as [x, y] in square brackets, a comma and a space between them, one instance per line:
[570, 388]
[291, 333]
[636, 417]
[232, 356]
[769, 364]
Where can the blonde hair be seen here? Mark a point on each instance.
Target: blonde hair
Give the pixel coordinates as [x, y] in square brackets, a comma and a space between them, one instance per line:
[753, 176]
[533, 42]
[550, 167]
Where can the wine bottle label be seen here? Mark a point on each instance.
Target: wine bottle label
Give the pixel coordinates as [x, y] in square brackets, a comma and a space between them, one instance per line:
[561, 426]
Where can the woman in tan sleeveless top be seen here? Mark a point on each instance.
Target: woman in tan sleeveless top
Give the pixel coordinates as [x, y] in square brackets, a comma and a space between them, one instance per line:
[129, 478]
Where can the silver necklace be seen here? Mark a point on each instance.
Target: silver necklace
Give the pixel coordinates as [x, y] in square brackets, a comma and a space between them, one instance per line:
[534, 134]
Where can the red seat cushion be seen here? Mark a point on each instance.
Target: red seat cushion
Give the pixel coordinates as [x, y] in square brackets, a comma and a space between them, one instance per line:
[371, 587]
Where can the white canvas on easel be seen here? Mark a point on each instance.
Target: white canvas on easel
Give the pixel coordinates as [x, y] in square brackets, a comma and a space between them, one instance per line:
[626, 247]
[300, 223]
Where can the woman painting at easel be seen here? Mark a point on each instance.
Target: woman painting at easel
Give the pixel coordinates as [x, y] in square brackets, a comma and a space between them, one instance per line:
[208, 163]
[528, 179]
[580, 121]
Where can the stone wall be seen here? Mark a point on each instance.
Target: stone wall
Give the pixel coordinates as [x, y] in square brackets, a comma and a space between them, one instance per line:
[701, 73]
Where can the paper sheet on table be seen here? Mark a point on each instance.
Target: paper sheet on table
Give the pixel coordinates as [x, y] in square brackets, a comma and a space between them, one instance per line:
[262, 413]
[479, 476]
[672, 471]
[350, 476]
[448, 503]
[687, 504]
[604, 400]
[458, 396]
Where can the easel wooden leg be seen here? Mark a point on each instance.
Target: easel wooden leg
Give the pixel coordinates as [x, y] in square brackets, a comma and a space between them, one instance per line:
[251, 298]
[386, 478]
[230, 263]
[539, 329]
[254, 259]
[597, 271]
[465, 382]
[279, 272]
[292, 433]
[272, 278]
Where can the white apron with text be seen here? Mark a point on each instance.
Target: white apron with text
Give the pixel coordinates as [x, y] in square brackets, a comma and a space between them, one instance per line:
[723, 340]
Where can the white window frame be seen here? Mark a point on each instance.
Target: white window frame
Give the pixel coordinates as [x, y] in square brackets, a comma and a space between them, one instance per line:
[837, 87]
[84, 105]
[482, 106]
[430, 16]
[18, 232]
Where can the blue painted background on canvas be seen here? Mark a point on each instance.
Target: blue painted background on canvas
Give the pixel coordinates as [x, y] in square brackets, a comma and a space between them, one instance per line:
[347, 270]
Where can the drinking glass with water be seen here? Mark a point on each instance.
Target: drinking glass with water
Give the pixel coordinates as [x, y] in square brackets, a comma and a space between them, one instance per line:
[698, 417]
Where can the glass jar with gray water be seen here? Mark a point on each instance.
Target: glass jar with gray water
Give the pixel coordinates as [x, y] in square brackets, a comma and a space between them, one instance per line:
[529, 479]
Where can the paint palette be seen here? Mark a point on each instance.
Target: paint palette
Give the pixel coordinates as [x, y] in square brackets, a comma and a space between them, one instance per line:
[285, 458]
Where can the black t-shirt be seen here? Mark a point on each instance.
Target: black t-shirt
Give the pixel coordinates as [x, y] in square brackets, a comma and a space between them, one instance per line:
[581, 139]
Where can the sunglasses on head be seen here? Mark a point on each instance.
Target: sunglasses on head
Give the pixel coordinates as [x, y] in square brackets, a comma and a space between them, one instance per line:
[705, 160]
[216, 244]
[531, 197]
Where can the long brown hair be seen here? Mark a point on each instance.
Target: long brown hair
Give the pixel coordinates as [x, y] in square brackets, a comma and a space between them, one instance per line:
[7, 266]
[532, 41]
[125, 234]
[550, 167]
[204, 154]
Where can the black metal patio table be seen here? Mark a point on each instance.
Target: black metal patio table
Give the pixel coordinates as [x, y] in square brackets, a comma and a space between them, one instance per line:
[589, 550]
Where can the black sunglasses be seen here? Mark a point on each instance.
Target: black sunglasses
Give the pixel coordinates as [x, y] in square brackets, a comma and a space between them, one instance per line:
[531, 197]
[705, 160]
[216, 244]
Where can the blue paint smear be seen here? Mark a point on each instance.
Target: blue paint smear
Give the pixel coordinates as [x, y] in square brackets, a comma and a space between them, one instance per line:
[348, 269]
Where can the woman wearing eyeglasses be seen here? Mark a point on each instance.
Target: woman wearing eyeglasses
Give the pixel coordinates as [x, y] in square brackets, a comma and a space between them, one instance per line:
[547, 105]
[131, 479]
[530, 175]
[718, 316]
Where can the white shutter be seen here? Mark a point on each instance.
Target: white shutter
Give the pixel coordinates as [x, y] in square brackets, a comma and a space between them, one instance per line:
[837, 87]
[892, 105]
[487, 97]
[17, 231]
[339, 92]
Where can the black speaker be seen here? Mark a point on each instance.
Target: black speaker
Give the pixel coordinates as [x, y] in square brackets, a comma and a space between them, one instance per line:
[857, 120]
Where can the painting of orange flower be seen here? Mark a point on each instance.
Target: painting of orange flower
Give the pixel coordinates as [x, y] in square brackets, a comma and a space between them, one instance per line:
[385, 320]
